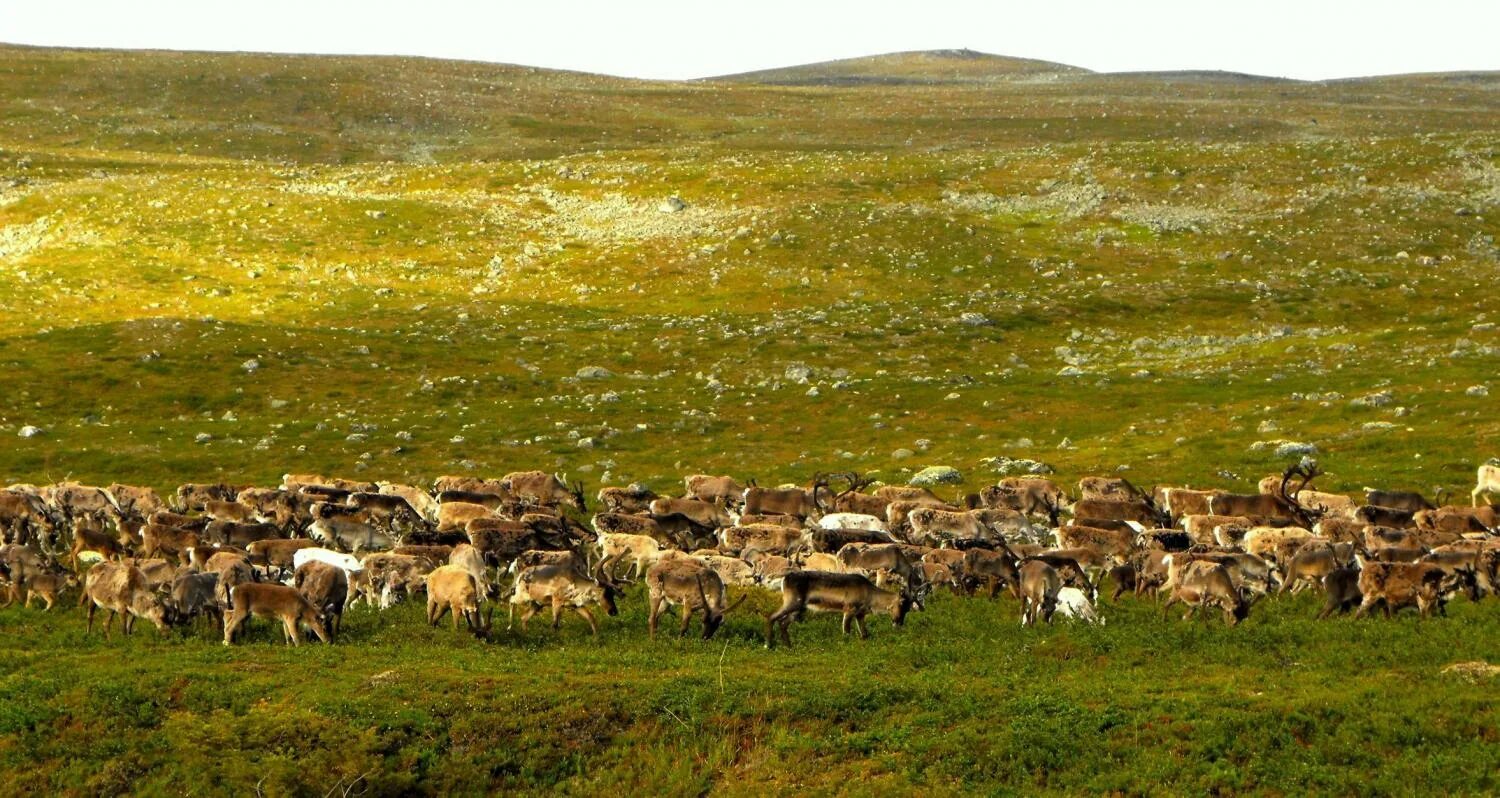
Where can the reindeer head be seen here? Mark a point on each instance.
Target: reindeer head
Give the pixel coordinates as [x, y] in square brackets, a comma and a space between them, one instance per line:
[609, 589]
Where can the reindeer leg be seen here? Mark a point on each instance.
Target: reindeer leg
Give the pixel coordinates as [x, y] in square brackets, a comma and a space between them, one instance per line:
[588, 616]
[232, 625]
[557, 608]
[687, 618]
[92, 607]
[108, 622]
[456, 611]
[864, 631]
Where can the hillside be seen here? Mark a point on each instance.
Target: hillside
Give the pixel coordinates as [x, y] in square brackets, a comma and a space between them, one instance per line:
[926, 68]
[233, 266]
[1105, 272]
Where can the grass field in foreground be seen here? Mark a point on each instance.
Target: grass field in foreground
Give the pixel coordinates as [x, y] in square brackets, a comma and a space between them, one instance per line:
[231, 266]
[962, 699]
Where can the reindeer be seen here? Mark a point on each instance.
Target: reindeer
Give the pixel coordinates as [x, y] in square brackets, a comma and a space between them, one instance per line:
[691, 585]
[1280, 504]
[122, 589]
[799, 502]
[561, 587]
[715, 489]
[453, 587]
[1487, 482]
[630, 499]
[854, 595]
[544, 488]
[273, 601]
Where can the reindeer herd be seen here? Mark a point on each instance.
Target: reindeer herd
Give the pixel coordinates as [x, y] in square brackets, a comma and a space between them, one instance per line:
[303, 552]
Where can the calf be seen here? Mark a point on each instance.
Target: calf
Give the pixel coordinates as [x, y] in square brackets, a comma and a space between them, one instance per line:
[47, 587]
[453, 588]
[194, 594]
[273, 601]
[1341, 587]
[1207, 584]
[1039, 585]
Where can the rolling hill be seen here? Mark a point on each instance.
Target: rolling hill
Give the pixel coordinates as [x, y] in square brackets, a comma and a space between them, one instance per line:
[226, 267]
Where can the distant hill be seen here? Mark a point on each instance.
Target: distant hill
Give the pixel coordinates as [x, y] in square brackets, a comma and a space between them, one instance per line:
[924, 67]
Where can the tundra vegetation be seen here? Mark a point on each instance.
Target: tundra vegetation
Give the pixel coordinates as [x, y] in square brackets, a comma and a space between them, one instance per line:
[941, 266]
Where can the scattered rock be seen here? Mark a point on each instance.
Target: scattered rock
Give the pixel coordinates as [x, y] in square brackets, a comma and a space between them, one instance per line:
[672, 204]
[902, 454]
[799, 373]
[202, 437]
[1071, 371]
[1472, 671]
[30, 431]
[250, 365]
[1007, 466]
[813, 391]
[1381, 399]
[594, 373]
[932, 476]
[972, 319]
[1285, 448]
[1478, 390]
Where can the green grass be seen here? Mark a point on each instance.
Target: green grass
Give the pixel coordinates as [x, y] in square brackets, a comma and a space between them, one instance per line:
[436, 248]
[960, 700]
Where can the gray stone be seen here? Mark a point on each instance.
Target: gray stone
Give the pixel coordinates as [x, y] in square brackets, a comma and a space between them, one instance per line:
[902, 454]
[672, 204]
[1478, 390]
[594, 373]
[932, 476]
[30, 431]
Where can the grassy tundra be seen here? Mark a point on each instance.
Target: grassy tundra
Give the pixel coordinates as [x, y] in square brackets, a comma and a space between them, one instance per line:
[962, 699]
[233, 266]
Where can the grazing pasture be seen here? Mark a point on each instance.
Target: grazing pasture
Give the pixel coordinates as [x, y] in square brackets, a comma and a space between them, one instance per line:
[962, 698]
[942, 267]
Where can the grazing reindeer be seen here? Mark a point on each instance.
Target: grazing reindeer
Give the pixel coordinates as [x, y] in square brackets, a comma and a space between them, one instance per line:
[544, 488]
[1039, 584]
[562, 586]
[689, 584]
[273, 601]
[452, 587]
[851, 594]
[122, 589]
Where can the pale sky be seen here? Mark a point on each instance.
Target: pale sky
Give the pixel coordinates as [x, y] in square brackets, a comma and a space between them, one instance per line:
[1309, 39]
